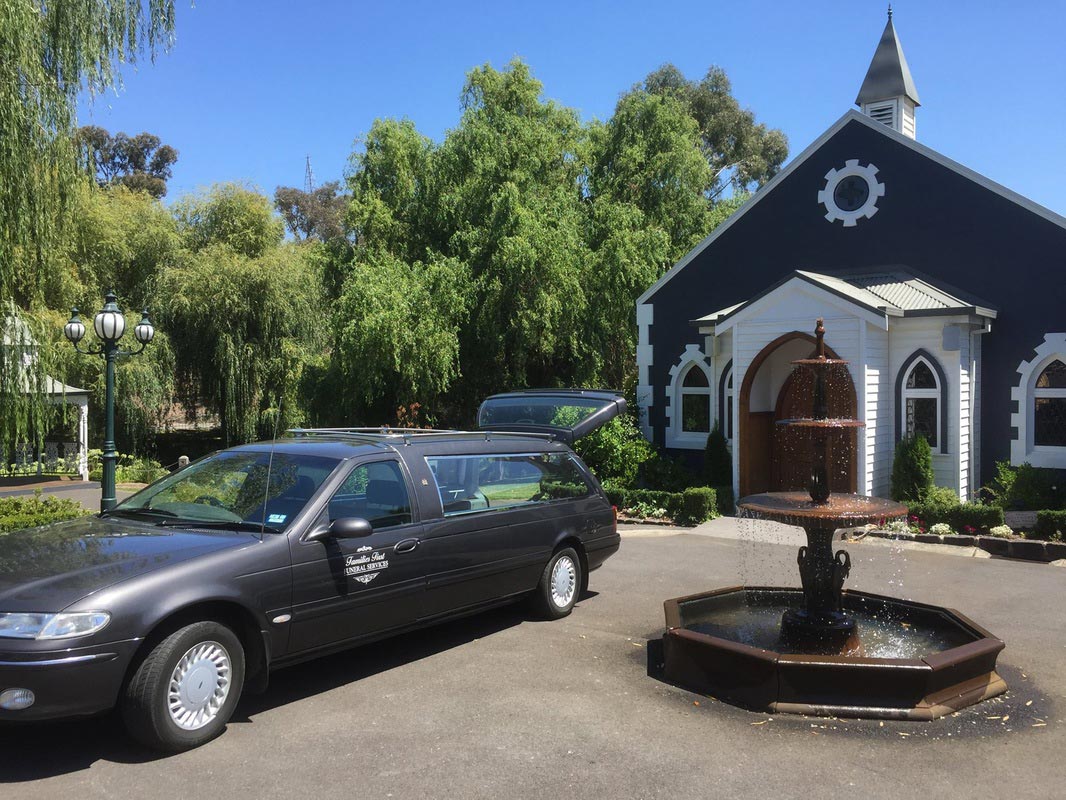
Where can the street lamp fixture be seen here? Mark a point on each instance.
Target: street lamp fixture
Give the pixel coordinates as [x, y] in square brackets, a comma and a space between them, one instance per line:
[109, 325]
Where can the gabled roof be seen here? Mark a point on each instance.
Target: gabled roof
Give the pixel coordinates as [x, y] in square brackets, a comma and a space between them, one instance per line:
[888, 75]
[884, 130]
[893, 291]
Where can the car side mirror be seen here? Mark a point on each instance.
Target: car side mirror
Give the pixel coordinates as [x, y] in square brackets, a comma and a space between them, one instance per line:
[342, 528]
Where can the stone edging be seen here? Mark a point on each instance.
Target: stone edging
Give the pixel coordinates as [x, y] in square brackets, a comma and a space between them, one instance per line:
[1026, 549]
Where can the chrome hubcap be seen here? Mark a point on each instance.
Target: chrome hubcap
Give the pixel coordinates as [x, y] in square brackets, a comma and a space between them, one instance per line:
[199, 685]
[564, 581]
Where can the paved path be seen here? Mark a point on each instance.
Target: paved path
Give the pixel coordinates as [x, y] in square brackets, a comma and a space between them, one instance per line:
[498, 706]
[85, 492]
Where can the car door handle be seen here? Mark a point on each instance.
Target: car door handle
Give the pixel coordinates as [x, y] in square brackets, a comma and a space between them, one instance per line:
[406, 545]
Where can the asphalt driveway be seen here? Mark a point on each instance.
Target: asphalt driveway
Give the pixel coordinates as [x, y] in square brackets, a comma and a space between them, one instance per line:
[501, 706]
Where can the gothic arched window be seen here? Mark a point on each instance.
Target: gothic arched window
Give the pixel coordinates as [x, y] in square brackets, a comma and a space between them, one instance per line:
[921, 402]
[1049, 406]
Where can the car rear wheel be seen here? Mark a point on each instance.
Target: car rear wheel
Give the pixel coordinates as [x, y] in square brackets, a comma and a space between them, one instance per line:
[559, 585]
[184, 691]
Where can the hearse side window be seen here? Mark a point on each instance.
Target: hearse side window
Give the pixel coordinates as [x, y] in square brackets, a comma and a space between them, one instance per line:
[479, 483]
[376, 492]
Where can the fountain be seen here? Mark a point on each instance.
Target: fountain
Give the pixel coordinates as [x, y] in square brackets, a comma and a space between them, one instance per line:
[823, 649]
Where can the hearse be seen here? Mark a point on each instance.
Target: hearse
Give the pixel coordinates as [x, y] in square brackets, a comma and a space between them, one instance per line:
[178, 599]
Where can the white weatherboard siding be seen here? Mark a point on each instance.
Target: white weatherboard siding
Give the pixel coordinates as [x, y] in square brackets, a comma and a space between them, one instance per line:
[645, 395]
[879, 409]
[965, 400]
[909, 334]
[975, 415]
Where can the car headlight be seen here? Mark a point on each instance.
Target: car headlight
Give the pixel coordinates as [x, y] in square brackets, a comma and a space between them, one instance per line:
[52, 626]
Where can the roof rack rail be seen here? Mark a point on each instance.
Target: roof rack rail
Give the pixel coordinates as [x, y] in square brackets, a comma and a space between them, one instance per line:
[406, 435]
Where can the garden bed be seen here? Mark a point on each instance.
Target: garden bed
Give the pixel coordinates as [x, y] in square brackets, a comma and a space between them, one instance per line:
[1007, 547]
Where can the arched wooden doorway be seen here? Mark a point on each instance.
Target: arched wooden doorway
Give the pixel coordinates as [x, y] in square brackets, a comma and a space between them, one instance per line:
[775, 459]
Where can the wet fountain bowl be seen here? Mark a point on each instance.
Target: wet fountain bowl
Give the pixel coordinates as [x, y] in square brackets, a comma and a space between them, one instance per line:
[921, 661]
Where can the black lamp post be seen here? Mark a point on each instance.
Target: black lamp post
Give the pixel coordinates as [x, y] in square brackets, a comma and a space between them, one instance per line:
[109, 325]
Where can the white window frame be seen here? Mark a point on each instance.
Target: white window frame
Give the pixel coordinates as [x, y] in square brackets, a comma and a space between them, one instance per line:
[727, 422]
[922, 394]
[692, 358]
[1023, 448]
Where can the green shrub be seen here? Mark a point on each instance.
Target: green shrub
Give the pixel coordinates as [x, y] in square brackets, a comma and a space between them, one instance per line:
[698, 504]
[1027, 488]
[666, 474]
[943, 507]
[616, 451]
[17, 513]
[128, 468]
[726, 502]
[694, 505]
[975, 516]
[717, 460]
[1050, 525]
[912, 469]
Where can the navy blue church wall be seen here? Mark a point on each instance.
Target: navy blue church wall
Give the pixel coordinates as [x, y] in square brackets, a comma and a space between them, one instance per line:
[931, 219]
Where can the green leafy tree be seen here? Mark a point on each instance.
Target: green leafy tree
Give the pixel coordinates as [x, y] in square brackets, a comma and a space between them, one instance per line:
[717, 460]
[396, 335]
[512, 204]
[246, 312]
[232, 215]
[244, 330]
[141, 163]
[731, 140]
[317, 215]
[49, 53]
[647, 155]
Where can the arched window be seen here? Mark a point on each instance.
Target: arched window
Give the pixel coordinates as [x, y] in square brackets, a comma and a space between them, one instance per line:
[1039, 419]
[1049, 406]
[921, 401]
[695, 401]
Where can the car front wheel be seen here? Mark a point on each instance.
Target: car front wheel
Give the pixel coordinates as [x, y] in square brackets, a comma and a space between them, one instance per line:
[184, 691]
[560, 584]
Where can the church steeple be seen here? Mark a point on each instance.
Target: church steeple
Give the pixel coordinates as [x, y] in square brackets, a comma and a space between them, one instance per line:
[888, 93]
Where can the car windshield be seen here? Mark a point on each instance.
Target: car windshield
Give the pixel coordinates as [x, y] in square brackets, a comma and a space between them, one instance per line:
[232, 487]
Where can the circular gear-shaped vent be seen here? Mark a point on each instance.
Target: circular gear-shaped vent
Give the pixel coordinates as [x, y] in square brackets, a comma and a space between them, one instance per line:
[851, 193]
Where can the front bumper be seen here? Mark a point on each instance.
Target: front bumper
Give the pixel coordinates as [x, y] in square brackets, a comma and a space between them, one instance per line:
[72, 682]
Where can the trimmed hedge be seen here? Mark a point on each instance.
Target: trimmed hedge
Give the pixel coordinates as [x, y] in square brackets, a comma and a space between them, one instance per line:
[17, 513]
[1050, 525]
[690, 507]
[959, 516]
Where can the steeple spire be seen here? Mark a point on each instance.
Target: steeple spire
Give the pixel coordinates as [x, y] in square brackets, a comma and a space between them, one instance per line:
[888, 93]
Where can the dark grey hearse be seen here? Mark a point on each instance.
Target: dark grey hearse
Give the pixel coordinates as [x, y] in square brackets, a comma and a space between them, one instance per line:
[259, 556]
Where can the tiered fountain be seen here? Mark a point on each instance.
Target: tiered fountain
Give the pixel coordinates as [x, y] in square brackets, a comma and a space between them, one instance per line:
[823, 649]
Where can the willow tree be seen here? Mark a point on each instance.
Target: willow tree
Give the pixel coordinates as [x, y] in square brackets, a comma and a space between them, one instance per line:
[50, 53]
[245, 311]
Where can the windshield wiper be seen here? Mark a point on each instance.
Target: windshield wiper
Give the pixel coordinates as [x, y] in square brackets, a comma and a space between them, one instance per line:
[130, 512]
[234, 525]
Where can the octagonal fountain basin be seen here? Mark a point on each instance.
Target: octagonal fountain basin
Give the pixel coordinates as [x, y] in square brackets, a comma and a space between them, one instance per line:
[920, 661]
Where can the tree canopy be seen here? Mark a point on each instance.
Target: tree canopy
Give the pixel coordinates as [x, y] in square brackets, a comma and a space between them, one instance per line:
[507, 254]
[50, 52]
[141, 163]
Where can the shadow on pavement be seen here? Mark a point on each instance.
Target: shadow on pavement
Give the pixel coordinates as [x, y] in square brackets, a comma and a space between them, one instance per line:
[31, 751]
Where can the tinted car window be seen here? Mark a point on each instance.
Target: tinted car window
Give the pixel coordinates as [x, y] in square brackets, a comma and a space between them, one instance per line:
[479, 483]
[376, 492]
[233, 487]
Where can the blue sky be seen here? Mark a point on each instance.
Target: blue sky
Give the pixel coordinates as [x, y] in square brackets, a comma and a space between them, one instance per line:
[250, 88]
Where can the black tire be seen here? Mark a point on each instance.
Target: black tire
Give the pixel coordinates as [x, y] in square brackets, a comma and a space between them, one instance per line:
[549, 601]
[145, 703]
